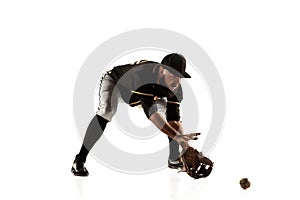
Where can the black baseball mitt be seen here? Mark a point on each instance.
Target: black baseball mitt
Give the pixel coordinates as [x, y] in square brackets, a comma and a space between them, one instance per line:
[195, 164]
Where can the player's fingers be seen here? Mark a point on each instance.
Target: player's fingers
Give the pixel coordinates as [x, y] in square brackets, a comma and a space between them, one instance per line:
[193, 136]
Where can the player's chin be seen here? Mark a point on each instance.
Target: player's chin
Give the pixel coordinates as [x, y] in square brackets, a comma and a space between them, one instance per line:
[172, 88]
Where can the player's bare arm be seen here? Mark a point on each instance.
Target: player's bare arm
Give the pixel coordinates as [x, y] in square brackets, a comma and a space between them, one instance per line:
[177, 125]
[171, 131]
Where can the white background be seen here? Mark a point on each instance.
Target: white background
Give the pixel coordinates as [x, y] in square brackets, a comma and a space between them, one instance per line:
[255, 46]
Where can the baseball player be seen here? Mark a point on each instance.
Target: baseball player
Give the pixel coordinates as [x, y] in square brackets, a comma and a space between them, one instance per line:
[149, 84]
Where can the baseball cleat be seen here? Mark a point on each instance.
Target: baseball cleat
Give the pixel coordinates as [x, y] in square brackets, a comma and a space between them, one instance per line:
[78, 168]
[177, 164]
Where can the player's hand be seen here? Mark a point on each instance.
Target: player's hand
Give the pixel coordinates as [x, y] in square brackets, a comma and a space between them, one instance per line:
[183, 140]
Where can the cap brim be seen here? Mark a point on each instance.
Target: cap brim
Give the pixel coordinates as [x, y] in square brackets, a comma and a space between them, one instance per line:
[176, 73]
[186, 75]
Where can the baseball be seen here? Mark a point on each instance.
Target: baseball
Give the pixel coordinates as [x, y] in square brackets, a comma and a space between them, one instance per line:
[244, 182]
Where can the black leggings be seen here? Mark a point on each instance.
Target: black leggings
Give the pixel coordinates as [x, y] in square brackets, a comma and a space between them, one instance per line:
[95, 131]
[174, 149]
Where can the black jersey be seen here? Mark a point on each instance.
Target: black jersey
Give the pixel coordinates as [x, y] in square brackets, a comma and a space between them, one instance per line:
[138, 85]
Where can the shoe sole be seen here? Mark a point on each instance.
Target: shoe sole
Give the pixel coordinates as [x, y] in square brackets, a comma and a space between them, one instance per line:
[79, 173]
[175, 167]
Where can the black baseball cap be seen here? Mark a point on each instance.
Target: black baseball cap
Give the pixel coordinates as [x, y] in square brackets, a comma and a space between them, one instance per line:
[177, 64]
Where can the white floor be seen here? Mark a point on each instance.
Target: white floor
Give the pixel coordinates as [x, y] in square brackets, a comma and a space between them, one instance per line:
[168, 184]
[47, 177]
[104, 183]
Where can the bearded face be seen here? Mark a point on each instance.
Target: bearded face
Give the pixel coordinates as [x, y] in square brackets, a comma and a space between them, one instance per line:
[170, 80]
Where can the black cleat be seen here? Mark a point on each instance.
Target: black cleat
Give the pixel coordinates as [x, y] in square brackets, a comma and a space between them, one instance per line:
[177, 164]
[78, 168]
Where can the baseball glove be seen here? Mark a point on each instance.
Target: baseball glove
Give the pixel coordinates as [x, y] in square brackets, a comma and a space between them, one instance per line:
[195, 164]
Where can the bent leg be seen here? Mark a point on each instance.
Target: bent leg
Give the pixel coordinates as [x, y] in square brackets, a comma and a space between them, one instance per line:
[109, 96]
[108, 101]
[174, 146]
[174, 149]
[93, 133]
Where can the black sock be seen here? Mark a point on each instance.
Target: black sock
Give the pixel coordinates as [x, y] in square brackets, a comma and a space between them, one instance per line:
[174, 149]
[93, 133]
